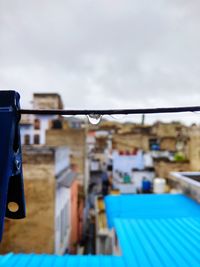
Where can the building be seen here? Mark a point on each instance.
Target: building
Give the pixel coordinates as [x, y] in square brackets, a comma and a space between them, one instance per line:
[194, 148]
[187, 182]
[130, 141]
[164, 166]
[72, 185]
[33, 127]
[152, 230]
[47, 101]
[51, 195]
[55, 130]
[75, 139]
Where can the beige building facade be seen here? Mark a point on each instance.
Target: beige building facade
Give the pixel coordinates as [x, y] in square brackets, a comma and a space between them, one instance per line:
[37, 232]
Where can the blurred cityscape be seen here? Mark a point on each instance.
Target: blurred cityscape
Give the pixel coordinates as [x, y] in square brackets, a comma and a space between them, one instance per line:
[70, 165]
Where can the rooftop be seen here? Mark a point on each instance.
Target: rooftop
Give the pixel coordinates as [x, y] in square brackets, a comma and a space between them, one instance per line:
[47, 105]
[153, 230]
[150, 206]
[33, 260]
[160, 242]
[46, 94]
[190, 178]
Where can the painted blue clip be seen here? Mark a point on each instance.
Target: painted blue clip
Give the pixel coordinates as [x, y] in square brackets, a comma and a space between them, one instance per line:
[11, 176]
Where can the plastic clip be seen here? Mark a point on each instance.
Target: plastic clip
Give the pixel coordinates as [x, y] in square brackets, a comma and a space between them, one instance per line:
[12, 203]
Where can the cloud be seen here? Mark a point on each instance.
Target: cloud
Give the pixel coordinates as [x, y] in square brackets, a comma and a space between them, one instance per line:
[102, 54]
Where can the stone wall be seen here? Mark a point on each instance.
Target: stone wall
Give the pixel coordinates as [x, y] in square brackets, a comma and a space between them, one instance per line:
[164, 167]
[194, 148]
[128, 142]
[168, 143]
[166, 129]
[35, 233]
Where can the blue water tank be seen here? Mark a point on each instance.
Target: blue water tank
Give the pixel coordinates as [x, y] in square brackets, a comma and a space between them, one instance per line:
[146, 186]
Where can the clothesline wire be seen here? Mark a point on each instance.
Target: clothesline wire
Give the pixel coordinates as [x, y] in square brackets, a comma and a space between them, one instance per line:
[110, 111]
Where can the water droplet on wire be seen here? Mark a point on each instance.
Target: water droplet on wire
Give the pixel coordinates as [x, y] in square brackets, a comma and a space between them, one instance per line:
[94, 118]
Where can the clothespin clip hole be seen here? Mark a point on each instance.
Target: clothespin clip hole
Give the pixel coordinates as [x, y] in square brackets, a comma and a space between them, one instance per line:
[13, 206]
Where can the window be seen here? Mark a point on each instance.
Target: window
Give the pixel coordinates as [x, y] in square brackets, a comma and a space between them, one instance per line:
[56, 124]
[36, 139]
[27, 139]
[36, 124]
[154, 144]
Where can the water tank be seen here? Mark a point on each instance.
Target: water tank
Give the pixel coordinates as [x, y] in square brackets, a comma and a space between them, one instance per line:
[159, 185]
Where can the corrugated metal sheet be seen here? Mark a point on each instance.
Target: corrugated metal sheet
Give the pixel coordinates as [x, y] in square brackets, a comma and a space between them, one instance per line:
[153, 230]
[150, 206]
[160, 242]
[33, 260]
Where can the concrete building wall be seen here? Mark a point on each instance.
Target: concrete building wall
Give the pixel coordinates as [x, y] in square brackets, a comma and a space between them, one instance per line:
[27, 130]
[44, 122]
[74, 217]
[166, 129]
[35, 233]
[168, 143]
[28, 123]
[128, 142]
[47, 101]
[80, 215]
[62, 220]
[75, 140]
[163, 167]
[194, 148]
[44, 125]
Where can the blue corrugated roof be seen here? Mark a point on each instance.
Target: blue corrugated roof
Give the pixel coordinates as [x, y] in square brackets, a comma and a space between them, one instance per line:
[160, 242]
[150, 206]
[33, 260]
[153, 230]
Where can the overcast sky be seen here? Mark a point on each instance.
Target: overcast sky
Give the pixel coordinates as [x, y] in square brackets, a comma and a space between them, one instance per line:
[102, 53]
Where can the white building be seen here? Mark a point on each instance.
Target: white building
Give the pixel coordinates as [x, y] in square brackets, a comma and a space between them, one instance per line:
[33, 127]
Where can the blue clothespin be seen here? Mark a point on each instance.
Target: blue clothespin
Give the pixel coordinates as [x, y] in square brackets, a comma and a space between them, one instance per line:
[12, 203]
